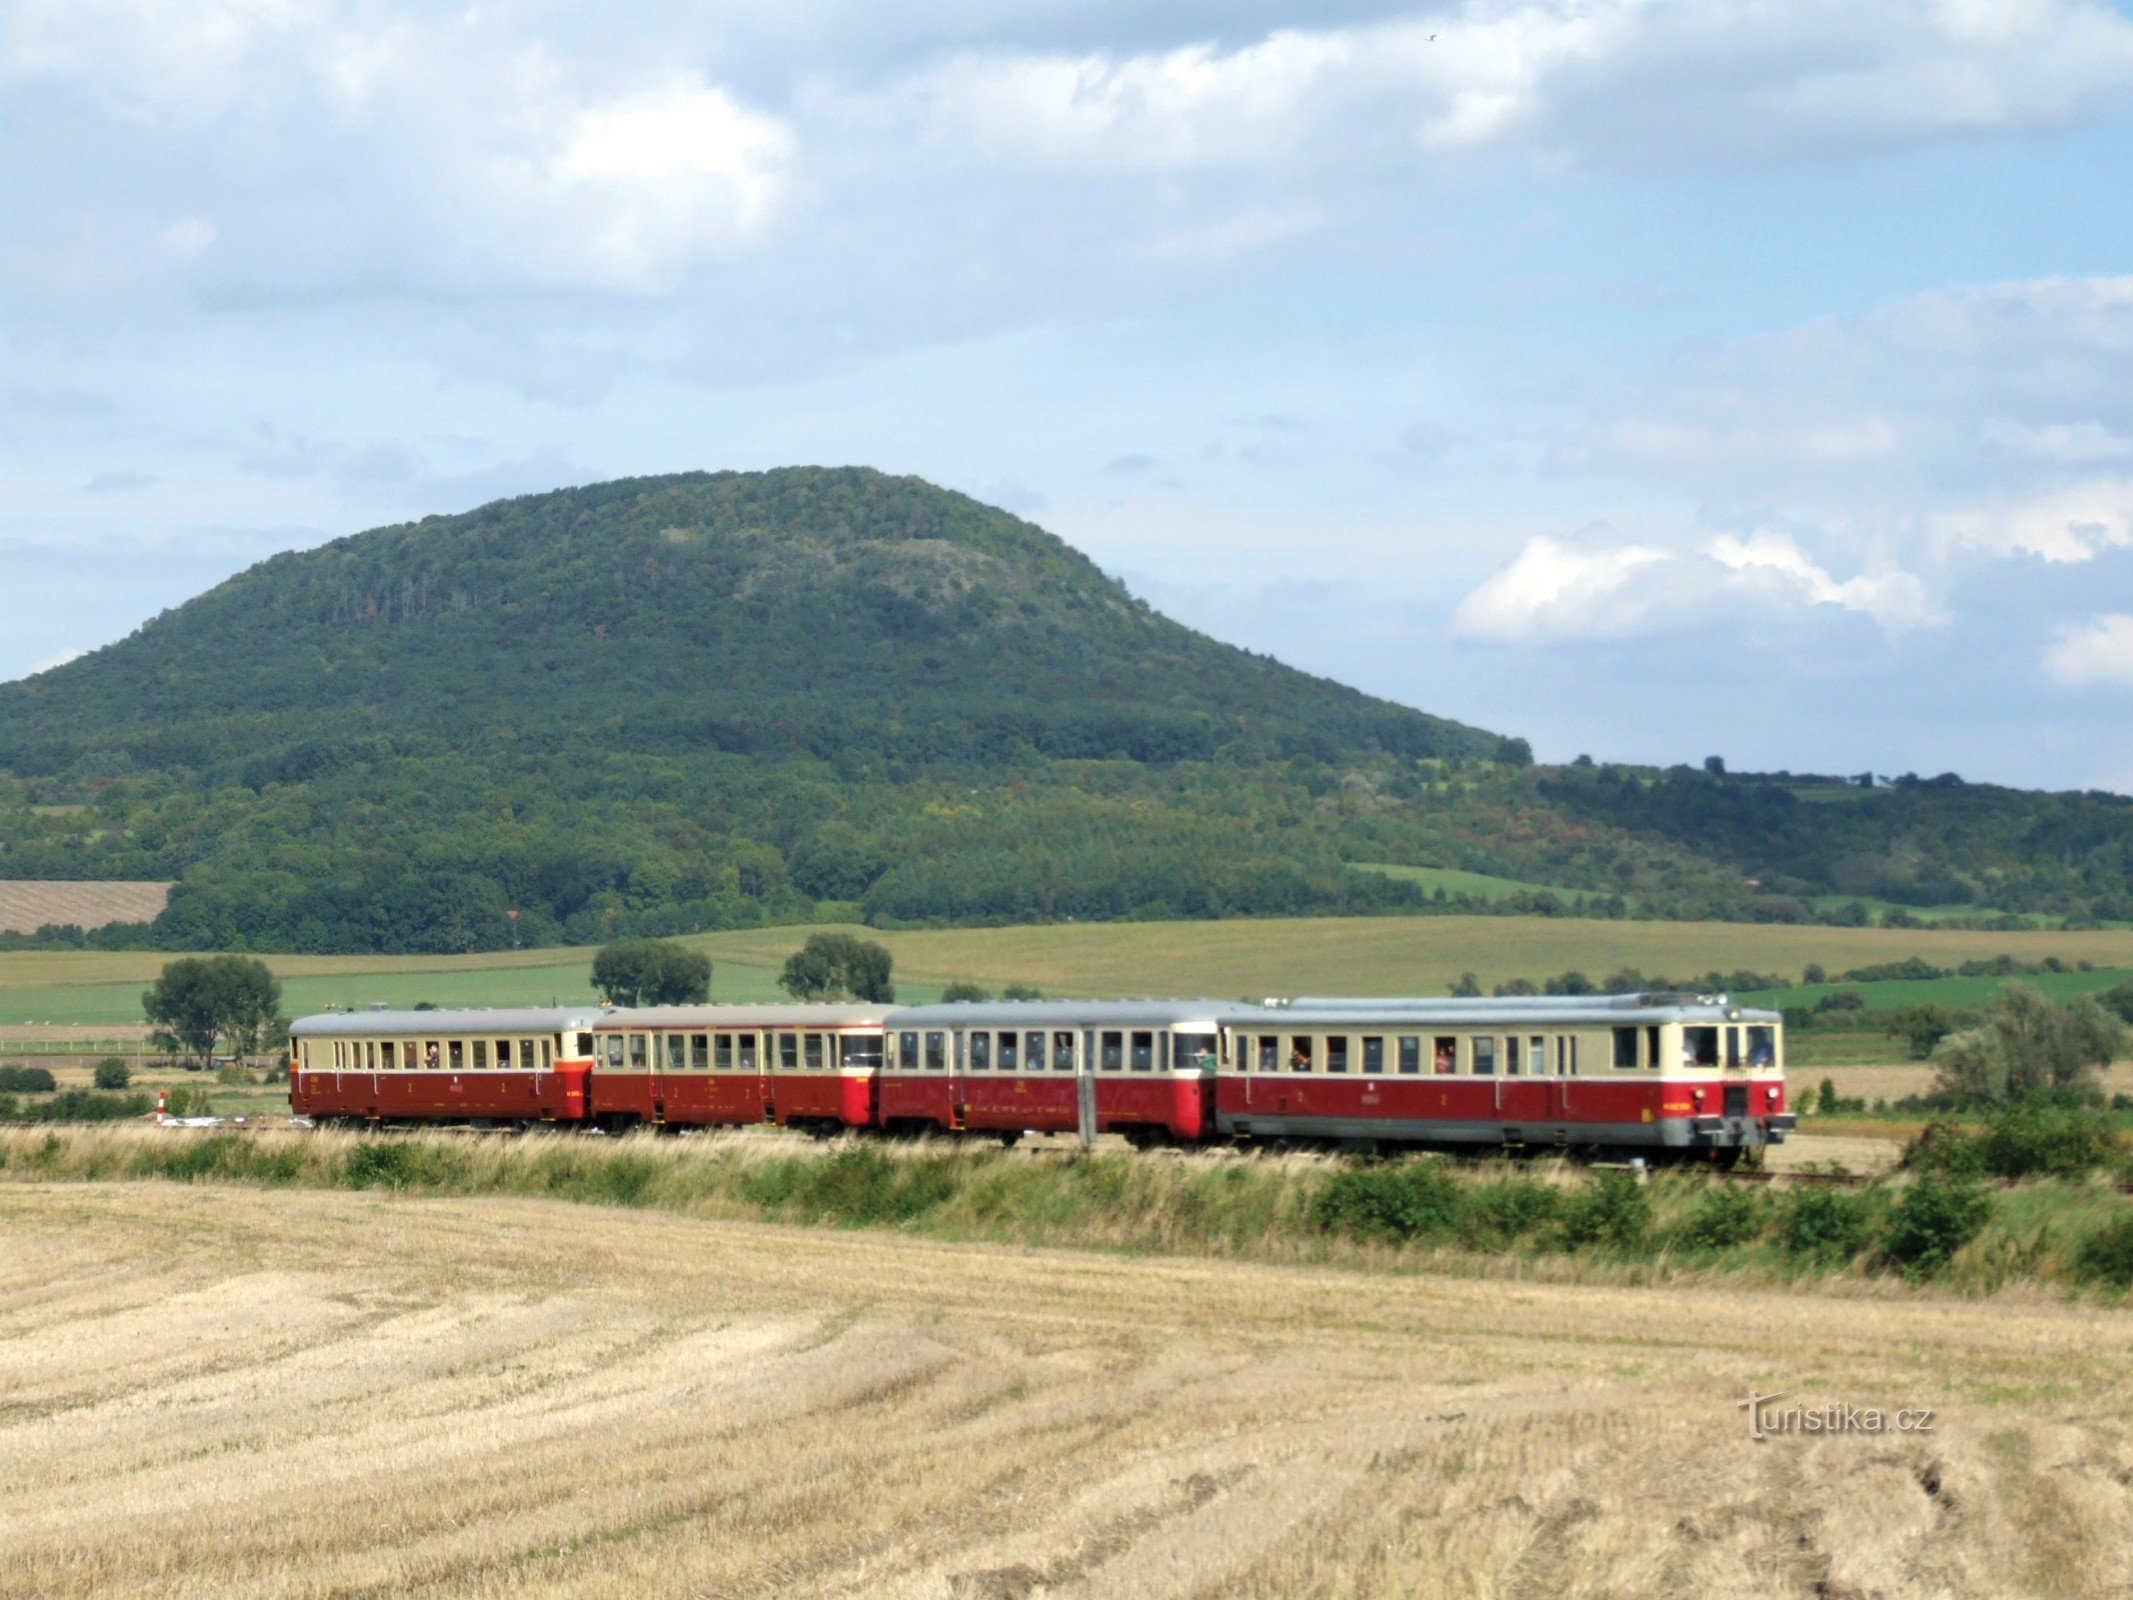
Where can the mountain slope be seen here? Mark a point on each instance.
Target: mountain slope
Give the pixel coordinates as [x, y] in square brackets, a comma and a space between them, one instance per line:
[828, 612]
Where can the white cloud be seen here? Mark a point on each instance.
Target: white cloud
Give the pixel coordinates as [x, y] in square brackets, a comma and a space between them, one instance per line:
[2076, 523]
[1555, 591]
[58, 660]
[1594, 80]
[2096, 653]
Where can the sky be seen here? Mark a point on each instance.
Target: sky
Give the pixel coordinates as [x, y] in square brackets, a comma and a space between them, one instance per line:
[1651, 378]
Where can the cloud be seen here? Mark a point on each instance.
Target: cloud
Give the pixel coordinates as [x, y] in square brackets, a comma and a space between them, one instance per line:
[1556, 591]
[2093, 654]
[2073, 524]
[1601, 81]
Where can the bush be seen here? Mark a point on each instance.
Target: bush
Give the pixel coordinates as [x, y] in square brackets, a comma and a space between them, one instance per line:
[1499, 1213]
[1935, 1218]
[2106, 1255]
[1615, 1212]
[376, 1164]
[1408, 1200]
[74, 1105]
[26, 1080]
[1726, 1215]
[1824, 1225]
[112, 1073]
[2031, 1139]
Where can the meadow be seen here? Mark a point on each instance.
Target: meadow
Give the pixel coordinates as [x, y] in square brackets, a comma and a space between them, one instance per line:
[288, 1392]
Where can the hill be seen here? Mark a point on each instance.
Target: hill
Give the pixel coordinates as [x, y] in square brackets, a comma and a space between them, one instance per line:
[718, 699]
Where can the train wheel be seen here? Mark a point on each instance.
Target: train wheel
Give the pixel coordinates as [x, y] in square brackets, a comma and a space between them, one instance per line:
[1010, 1137]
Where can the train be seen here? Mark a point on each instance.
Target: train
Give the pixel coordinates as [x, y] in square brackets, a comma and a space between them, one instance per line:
[1681, 1075]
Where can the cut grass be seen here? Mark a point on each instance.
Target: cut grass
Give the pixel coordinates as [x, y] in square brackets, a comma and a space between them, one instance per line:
[1478, 885]
[1975, 992]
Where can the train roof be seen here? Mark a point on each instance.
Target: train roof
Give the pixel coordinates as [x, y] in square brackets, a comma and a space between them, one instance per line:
[750, 1016]
[382, 1024]
[1597, 1009]
[1069, 1013]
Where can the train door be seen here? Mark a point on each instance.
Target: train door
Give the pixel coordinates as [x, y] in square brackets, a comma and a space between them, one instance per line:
[1566, 1068]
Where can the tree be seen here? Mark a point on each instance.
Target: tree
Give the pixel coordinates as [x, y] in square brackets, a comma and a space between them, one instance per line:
[964, 990]
[199, 1001]
[651, 972]
[1467, 988]
[113, 1073]
[2026, 1043]
[837, 966]
[1924, 1024]
[1021, 991]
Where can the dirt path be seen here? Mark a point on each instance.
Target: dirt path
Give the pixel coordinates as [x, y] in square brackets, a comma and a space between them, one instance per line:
[216, 1391]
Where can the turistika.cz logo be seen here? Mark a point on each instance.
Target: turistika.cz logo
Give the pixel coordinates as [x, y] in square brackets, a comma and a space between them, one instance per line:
[1767, 1419]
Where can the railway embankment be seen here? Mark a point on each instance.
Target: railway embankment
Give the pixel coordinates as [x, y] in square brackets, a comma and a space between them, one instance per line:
[1972, 1213]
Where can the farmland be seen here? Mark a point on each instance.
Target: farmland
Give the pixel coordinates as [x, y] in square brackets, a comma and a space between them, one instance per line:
[1247, 958]
[299, 1393]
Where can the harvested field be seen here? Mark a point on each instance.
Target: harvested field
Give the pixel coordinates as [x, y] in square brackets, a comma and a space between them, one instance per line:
[236, 1392]
[26, 906]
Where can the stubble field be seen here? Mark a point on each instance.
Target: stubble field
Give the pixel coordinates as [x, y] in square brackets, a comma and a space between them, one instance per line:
[228, 1391]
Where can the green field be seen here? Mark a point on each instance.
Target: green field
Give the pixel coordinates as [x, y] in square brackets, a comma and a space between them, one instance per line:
[1971, 992]
[1478, 885]
[1236, 959]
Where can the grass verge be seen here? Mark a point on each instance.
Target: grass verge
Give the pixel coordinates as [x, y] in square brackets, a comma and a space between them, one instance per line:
[1544, 1219]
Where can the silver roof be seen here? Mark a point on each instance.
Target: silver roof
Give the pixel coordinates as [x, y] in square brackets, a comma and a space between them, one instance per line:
[393, 1024]
[1598, 1009]
[1070, 1014]
[759, 1016]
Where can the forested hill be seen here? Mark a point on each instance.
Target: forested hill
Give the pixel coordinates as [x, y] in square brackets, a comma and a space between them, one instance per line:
[828, 613]
[706, 700]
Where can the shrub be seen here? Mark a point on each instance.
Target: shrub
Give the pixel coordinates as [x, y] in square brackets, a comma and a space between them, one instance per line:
[1935, 1218]
[74, 1105]
[26, 1080]
[2025, 1042]
[112, 1073]
[1407, 1200]
[376, 1164]
[1614, 1211]
[2106, 1255]
[1823, 1225]
[1726, 1215]
[1499, 1213]
[2031, 1139]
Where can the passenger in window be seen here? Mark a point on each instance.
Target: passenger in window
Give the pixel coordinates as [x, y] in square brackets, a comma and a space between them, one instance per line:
[429, 1058]
[1300, 1056]
[1447, 1057]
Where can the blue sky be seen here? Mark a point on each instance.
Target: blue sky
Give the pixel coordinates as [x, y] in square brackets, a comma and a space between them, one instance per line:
[1653, 378]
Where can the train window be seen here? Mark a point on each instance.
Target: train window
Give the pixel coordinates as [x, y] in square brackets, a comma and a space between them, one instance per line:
[614, 1051]
[1566, 1057]
[1733, 1047]
[1033, 1053]
[1111, 1052]
[1194, 1052]
[503, 1052]
[722, 1052]
[387, 1051]
[1302, 1048]
[585, 1044]
[481, 1055]
[789, 1051]
[1510, 1056]
[1373, 1054]
[1652, 1057]
[1762, 1047]
[859, 1050]
[699, 1051]
[1269, 1052]
[1536, 1056]
[1410, 1054]
[936, 1052]
[1062, 1051]
[1699, 1047]
[1163, 1051]
[458, 1053]
[814, 1052]
[677, 1052]
[410, 1054]
[1337, 1053]
[430, 1059]
[1445, 1058]
[747, 1052]
[981, 1052]
[1143, 1052]
[638, 1053]
[525, 1053]
[907, 1051]
[1484, 1057]
[1008, 1054]
[1625, 1049]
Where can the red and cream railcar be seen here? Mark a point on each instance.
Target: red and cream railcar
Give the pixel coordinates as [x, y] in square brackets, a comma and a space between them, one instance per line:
[801, 1066]
[1140, 1068]
[1657, 1072]
[443, 1066]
